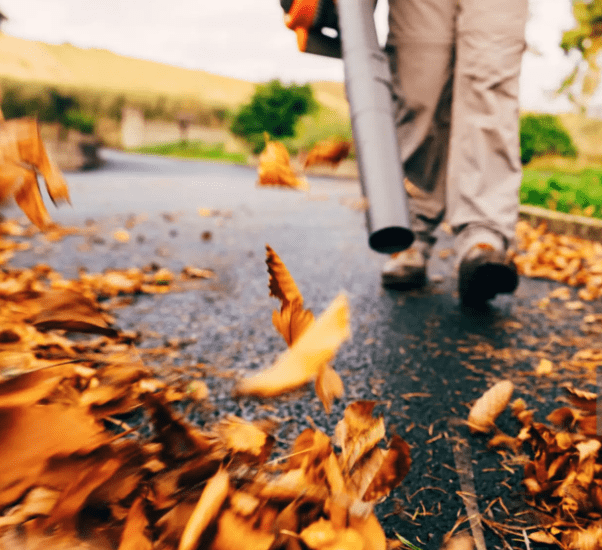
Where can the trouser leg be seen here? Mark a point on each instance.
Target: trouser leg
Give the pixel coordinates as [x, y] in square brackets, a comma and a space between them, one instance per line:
[420, 45]
[484, 172]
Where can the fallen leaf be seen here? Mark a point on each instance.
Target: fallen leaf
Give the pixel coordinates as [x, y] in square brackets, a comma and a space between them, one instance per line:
[206, 510]
[489, 406]
[329, 387]
[358, 432]
[121, 236]
[133, 536]
[544, 367]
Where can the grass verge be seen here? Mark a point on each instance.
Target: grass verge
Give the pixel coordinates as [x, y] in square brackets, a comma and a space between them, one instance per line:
[194, 150]
[578, 192]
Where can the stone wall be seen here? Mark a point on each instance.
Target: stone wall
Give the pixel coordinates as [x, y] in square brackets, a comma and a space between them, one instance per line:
[69, 149]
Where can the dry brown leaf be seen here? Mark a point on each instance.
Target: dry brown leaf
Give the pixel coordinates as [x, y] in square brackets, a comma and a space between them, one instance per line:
[292, 319]
[275, 168]
[301, 363]
[133, 536]
[489, 406]
[329, 151]
[241, 436]
[65, 309]
[207, 508]
[22, 153]
[393, 469]
[358, 433]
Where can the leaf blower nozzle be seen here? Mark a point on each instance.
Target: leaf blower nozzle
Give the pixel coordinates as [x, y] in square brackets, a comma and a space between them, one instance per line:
[368, 86]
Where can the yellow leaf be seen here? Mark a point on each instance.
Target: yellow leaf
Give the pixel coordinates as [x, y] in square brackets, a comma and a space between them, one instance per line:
[206, 510]
[241, 436]
[489, 406]
[544, 367]
[236, 533]
[329, 387]
[301, 363]
[371, 532]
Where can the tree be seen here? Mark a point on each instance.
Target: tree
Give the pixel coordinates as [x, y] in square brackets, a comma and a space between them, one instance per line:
[585, 37]
[274, 109]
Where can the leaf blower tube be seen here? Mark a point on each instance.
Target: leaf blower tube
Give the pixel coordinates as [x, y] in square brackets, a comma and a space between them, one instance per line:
[368, 86]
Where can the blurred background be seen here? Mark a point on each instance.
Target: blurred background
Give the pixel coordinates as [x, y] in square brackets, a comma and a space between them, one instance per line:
[186, 78]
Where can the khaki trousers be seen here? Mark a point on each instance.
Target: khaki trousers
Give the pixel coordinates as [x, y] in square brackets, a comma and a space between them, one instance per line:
[455, 67]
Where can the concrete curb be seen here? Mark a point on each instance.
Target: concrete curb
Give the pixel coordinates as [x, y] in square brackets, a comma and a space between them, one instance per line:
[561, 223]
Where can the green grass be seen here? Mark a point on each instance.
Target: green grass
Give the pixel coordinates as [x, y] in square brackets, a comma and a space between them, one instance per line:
[571, 192]
[194, 150]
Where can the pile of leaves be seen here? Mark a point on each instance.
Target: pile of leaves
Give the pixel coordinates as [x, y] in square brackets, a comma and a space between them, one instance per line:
[275, 165]
[563, 470]
[563, 258]
[79, 476]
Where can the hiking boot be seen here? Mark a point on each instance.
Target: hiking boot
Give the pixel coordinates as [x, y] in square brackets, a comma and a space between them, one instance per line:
[485, 271]
[405, 269]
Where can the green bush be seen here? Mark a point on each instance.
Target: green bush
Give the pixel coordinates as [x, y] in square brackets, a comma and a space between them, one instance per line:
[47, 105]
[544, 135]
[79, 121]
[274, 109]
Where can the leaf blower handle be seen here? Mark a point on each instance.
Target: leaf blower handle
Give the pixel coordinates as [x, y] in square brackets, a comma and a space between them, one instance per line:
[368, 85]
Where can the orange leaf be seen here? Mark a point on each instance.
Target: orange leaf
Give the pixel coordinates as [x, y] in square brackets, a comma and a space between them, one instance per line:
[275, 169]
[236, 533]
[241, 436]
[292, 319]
[394, 468]
[329, 151]
[133, 536]
[489, 406]
[370, 530]
[22, 153]
[329, 387]
[302, 362]
[207, 508]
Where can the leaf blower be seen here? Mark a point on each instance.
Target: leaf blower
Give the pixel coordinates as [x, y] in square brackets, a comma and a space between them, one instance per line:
[347, 30]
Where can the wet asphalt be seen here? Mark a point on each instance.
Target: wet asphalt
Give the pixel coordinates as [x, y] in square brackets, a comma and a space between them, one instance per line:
[418, 353]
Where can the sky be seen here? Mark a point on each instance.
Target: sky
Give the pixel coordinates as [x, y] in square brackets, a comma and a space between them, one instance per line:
[247, 38]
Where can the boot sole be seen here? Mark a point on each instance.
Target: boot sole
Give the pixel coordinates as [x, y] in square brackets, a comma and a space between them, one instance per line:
[484, 278]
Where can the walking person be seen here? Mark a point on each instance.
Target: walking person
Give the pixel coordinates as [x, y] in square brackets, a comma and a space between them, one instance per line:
[455, 67]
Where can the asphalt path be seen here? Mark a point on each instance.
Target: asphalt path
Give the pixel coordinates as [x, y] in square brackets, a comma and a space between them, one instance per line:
[418, 353]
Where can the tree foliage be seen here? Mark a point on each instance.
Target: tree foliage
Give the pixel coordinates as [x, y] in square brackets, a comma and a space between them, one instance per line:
[544, 135]
[586, 38]
[273, 109]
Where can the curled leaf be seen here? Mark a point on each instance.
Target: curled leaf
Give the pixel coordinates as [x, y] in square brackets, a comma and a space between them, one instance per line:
[489, 406]
[206, 510]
